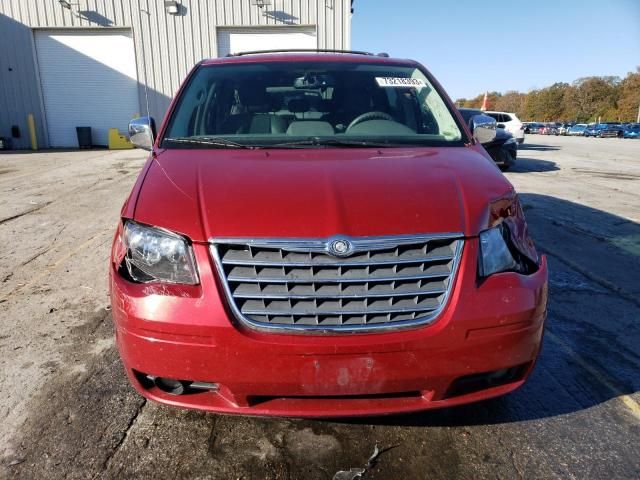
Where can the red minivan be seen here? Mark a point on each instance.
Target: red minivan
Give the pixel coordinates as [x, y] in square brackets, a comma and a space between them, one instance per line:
[320, 234]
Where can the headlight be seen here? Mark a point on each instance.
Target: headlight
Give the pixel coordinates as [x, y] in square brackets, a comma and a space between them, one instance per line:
[495, 255]
[156, 255]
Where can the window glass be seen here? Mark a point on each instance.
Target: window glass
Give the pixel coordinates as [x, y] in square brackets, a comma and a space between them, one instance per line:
[272, 102]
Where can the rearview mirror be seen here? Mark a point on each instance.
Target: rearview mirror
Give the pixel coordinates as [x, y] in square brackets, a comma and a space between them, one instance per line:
[483, 128]
[313, 81]
[142, 132]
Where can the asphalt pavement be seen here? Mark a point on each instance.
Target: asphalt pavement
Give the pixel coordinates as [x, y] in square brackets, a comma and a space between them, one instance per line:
[69, 412]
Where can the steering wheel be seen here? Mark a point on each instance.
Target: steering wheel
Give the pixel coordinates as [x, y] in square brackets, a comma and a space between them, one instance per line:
[370, 116]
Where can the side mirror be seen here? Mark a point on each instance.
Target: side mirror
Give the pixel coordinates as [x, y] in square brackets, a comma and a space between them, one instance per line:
[483, 128]
[142, 132]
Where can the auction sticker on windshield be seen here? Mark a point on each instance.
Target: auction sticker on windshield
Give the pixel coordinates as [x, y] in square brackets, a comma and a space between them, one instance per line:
[400, 82]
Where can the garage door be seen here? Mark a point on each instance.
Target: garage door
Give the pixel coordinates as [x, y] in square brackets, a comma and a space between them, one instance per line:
[234, 40]
[88, 79]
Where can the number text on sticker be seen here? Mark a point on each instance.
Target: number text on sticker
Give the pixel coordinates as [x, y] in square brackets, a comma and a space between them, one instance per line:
[400, 82]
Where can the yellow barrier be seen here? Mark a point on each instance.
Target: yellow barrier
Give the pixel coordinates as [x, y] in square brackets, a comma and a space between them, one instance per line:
[32, 132]
[118, 141]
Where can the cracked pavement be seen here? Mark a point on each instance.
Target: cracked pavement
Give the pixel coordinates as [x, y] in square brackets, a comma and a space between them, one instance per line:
[69, 412]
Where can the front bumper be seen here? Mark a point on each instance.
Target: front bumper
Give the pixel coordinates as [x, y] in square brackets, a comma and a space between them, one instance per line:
[187, 333]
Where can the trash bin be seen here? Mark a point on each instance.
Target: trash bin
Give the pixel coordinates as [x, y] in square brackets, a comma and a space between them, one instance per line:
[84, 137]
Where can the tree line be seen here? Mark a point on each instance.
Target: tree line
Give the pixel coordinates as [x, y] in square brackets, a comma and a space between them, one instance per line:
[588, 99]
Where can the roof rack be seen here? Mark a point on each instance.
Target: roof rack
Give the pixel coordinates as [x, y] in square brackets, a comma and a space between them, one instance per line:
[301, 50]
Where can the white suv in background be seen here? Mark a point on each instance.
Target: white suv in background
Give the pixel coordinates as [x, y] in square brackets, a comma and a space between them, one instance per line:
[512, 124]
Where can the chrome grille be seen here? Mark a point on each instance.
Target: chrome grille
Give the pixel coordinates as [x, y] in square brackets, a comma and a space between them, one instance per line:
[295, 284]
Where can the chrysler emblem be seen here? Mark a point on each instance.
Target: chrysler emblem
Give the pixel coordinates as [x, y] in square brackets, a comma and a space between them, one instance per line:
[340, 247]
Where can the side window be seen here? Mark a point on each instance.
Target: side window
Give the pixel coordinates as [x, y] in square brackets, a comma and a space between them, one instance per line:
[507, 118]
[495, 116]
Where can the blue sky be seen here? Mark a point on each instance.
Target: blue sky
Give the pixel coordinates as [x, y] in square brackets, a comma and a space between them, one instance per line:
[472, 46]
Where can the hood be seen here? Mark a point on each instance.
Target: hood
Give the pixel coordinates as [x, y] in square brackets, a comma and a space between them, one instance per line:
[319, 192]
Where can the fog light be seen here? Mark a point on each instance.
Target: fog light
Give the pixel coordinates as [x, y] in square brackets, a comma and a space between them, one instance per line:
[169, 385]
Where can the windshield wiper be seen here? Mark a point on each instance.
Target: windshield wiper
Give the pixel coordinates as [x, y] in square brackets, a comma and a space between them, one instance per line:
[332, 142]
[218, 142]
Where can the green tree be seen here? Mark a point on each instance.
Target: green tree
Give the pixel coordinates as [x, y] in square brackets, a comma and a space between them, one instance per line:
[476, 102]
[551, 101]
[629, 97]
[532, 109]
[511, 101]
[587, 99]
[594, 97]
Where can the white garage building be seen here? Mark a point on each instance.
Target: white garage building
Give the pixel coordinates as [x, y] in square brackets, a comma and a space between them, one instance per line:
[86, 62]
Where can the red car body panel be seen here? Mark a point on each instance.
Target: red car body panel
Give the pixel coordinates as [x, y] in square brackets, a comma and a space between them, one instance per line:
[189, 332]
[218, 193]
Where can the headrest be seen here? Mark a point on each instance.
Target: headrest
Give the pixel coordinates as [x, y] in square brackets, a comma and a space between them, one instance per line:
[299, 105]
[252, 95]
[310, 128]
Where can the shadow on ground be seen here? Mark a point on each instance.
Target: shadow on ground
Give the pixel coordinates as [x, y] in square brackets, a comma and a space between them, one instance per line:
[529, 165]
[538, 148]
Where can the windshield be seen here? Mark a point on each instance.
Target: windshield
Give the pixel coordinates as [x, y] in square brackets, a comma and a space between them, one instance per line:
[274, 104]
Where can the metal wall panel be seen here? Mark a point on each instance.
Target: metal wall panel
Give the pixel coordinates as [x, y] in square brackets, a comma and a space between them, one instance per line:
[167, 46]
[19, 85]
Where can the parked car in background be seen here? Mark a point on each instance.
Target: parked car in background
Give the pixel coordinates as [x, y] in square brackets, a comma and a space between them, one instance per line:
[533, 127]
[611, 130]
[372, 261]
[591, 130]
[631, 131]
[604, 130]
[563, 129]
[577, 130]
[503, 149]
[510, 122]
[549, 129]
